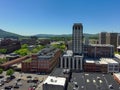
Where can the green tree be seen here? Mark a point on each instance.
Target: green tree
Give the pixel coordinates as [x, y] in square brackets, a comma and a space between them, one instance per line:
[34, 50]
[24, 46]
[3, 50]
[37, 48]
[22, 52]
[60, 46]
[1, 70]
[10, 72]
[2, 60]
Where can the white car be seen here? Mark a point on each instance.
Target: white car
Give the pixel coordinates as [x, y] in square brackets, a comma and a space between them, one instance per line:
[19, 83]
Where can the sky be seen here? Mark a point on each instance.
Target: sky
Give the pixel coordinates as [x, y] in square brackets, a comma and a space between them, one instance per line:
[31, 17]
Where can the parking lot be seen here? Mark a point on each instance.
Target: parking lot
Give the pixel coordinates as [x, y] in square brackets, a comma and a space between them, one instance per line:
[23, 82]
[92, 81]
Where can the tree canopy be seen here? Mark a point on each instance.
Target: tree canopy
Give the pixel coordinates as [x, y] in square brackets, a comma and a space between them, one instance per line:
[10, 72]
[1, 70]
[3, 50]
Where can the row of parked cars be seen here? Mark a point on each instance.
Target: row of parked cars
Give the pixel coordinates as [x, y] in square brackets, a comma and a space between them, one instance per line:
[7, 80]
[34, 82]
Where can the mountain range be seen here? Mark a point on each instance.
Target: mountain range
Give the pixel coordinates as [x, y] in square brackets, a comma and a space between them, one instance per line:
[9, 34]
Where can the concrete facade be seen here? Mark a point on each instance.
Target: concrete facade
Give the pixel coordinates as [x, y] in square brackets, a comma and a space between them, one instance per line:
[77, 39]
[72, 62]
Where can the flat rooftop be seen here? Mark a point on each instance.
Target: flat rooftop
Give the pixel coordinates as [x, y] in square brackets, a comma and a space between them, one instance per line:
[109, 60]
[102, 61]
[101, 45]
[59, 72]
[52, 80]
[47, 53]
[117, 56]
[118, 47]
[90, 81]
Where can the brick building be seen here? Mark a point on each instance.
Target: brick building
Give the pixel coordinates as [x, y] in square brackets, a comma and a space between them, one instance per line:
[10, 44]
[98, 50]
[44, 61]
[105, 65]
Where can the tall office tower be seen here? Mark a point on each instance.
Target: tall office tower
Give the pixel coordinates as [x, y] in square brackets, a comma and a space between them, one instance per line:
[77, 39]
[102, 38]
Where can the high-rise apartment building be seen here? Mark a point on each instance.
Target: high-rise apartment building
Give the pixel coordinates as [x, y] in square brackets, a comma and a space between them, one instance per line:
[102, 37]
[77, 39]
[108, 38]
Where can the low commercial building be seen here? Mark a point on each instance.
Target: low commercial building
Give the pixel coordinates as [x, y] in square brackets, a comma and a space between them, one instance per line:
[43, 62]
[54, 83]
[117, 59]
[90, 66]
[72, 62]
[98, 50]
[105, 65]
[95, 65]
[113, 66]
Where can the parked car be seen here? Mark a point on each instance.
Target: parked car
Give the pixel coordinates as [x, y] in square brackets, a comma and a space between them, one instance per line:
[18, 80]
[1, 83]
[1, 76]
[110, 86]
[19, 84]
[12, 77]
[16, 86]
[8, 87]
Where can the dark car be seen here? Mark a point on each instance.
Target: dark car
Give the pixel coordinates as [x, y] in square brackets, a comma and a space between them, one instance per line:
[1, 76]
[29, 76]
[16, 86]
[29, 81]
[8, 87]
[18, 80]
[12, 77]
[8, 79]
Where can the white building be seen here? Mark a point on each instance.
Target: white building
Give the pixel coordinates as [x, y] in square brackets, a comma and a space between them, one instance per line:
[54, 83]
[113, 66]
[70, 61]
